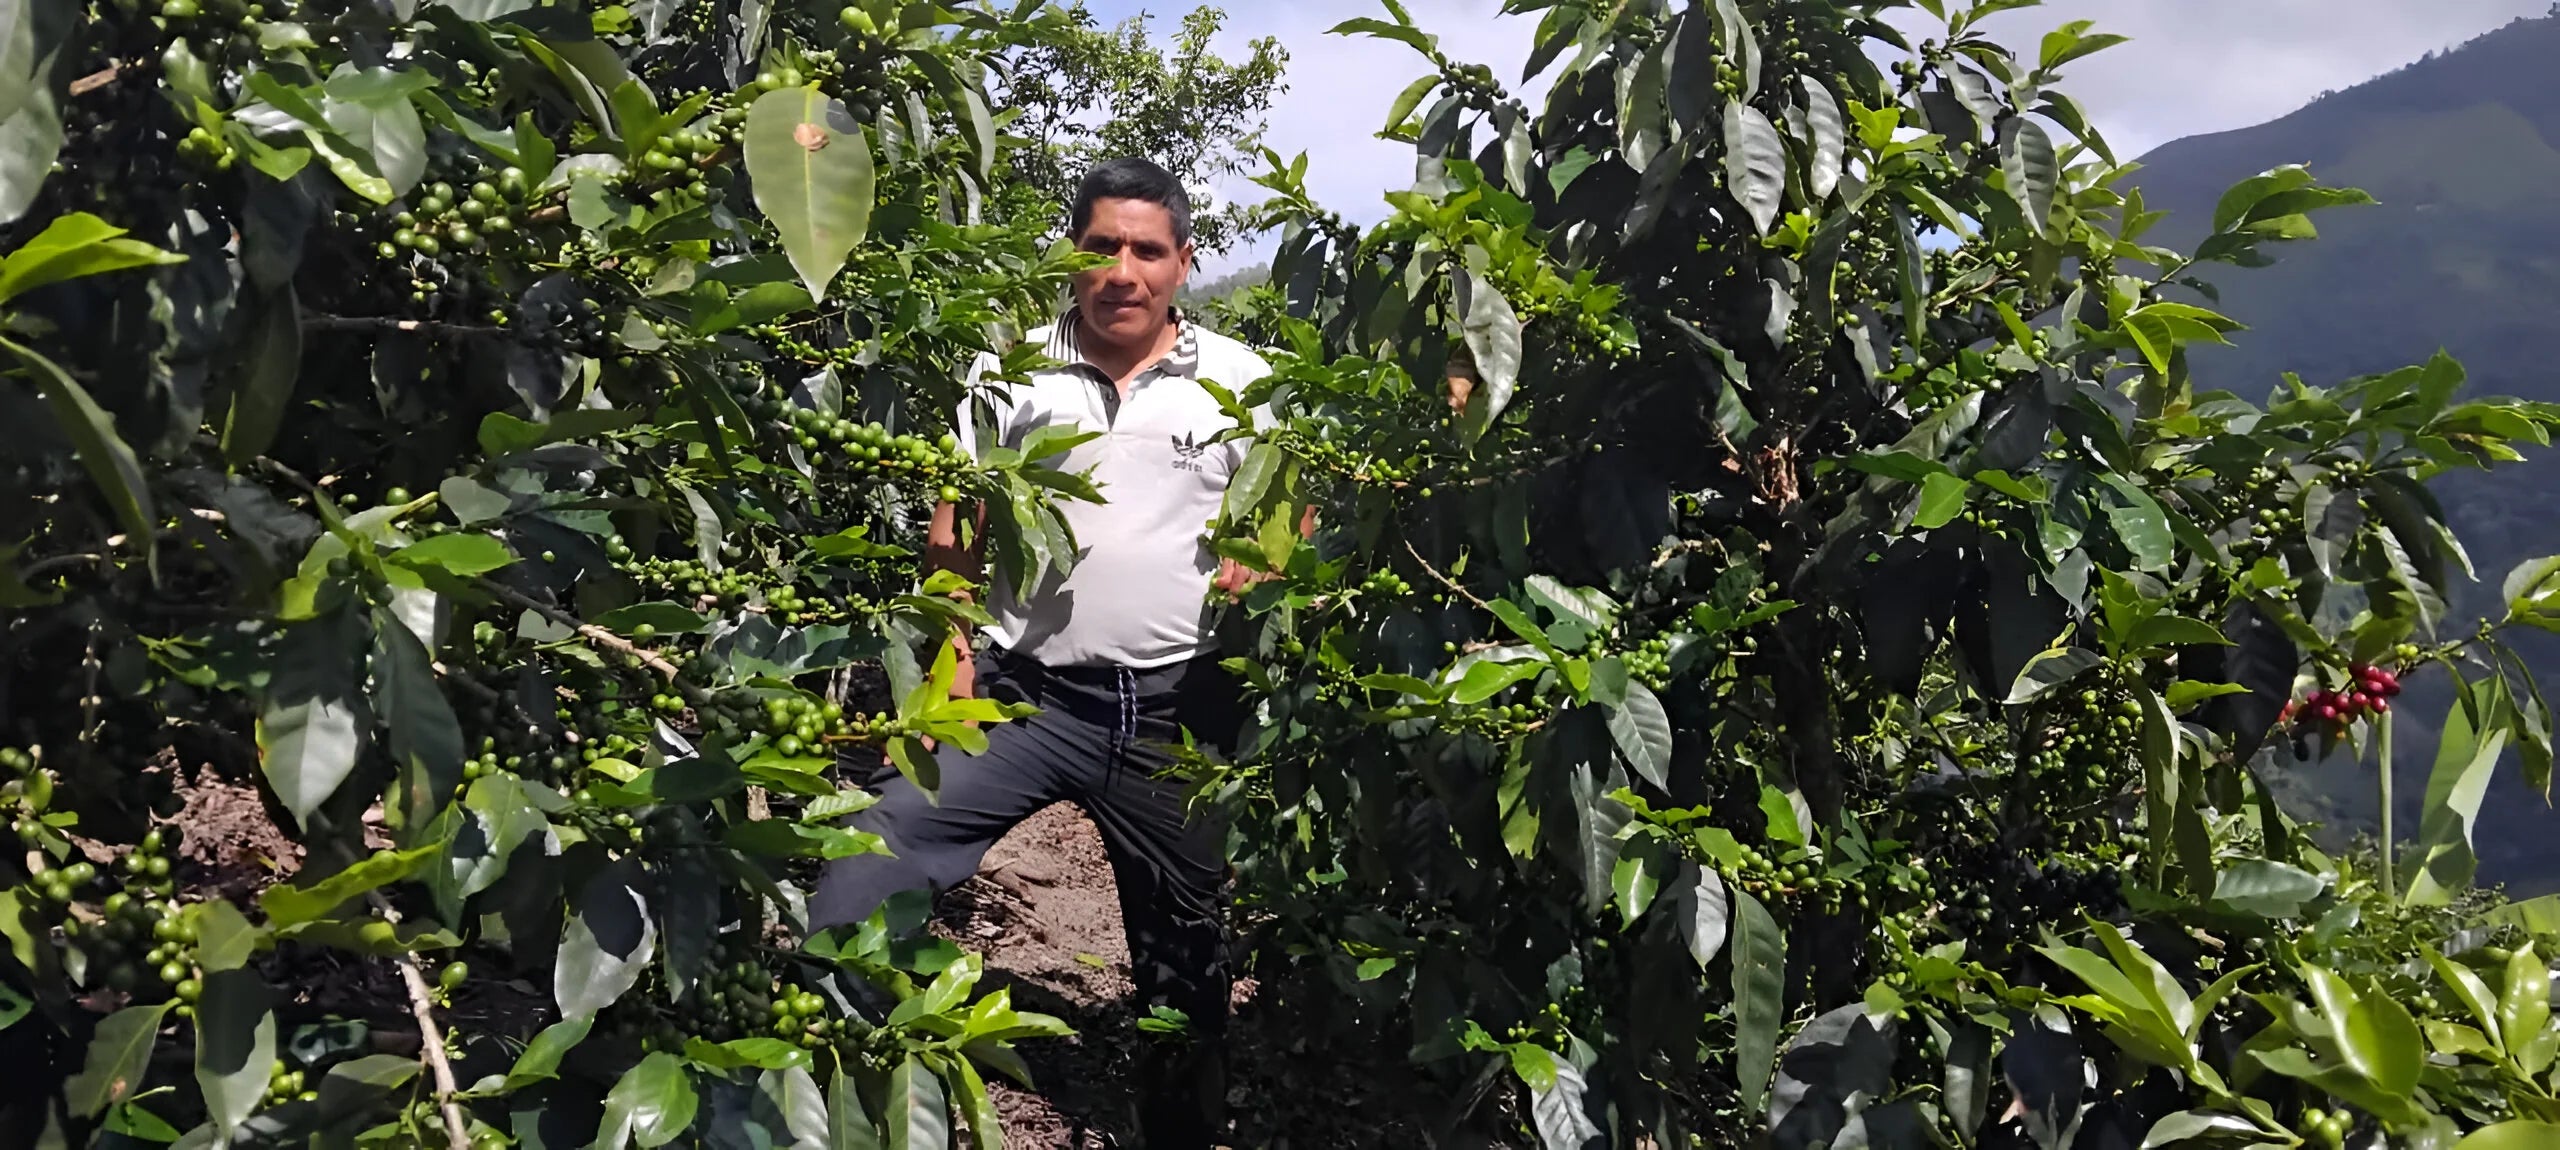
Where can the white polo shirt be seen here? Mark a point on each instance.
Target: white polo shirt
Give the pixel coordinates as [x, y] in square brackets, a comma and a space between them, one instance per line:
[1138, 594]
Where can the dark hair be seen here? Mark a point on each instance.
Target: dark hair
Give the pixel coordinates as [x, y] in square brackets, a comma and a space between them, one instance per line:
[1132, 178]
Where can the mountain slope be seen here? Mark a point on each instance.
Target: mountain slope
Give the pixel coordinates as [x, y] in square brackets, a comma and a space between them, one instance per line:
[2463, 253]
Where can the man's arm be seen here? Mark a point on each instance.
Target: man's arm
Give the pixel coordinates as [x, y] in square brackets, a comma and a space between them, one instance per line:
[943, 551]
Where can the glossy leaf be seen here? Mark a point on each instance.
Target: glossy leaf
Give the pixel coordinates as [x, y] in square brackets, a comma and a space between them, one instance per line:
[235, 1045]
[919, 1118]
[1703, 910]
[649, 1106]
[1759, 996]
[1493, 340]
[2442, 860]
[111, 464]
[118, 1057]
[2049, 670]
[813, 179]
[1755, 164]
[2034, 172]
[287, 904]
[1642, 731]
[606, 947]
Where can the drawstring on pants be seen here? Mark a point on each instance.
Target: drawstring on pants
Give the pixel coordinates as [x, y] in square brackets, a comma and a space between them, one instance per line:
[1125, 732]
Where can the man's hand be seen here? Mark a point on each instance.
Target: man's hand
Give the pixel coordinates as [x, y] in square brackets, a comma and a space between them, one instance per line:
[1234, 578]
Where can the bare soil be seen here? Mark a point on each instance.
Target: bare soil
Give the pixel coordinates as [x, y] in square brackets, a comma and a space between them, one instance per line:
[1043, 911]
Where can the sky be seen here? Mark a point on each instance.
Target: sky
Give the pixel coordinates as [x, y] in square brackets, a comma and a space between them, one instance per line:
[2194, 66]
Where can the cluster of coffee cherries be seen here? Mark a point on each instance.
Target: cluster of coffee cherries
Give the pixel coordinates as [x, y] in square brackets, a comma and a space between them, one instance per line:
[2326, 1127]
[2369, 691]
[787, 603]
[738, 999]
[1496, 721]
[284, 1084]
[137, 941]
[1649, 662]
[1385, 583]
[870, 448]
[463, 217]
[1790, 873]
[798, 723]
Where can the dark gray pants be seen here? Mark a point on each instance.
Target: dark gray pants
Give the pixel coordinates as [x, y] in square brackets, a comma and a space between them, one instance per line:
[1098, 742]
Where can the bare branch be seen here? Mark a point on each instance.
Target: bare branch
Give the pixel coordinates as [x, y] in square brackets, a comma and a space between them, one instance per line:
[431, 1040]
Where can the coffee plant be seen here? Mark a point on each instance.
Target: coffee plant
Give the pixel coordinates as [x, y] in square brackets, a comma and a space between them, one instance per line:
[469, 465]
[1794, 658]
[1791, 655]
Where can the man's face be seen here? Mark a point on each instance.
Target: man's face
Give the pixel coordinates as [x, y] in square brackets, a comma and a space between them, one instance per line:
[1128, 303]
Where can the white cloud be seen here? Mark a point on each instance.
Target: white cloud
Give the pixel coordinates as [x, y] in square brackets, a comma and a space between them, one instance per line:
[2194, 66]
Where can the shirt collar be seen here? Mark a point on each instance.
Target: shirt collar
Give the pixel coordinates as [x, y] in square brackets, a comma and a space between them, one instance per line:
[1183, 360]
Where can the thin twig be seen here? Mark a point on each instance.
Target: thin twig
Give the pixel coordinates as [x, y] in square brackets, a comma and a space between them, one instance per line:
[389, 323]
[95, 80]
[42, 567]
[588, 631]
[1446, 581]
[431, 1040]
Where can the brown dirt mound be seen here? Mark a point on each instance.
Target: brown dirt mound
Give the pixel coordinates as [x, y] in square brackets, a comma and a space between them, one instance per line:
[1043, 910]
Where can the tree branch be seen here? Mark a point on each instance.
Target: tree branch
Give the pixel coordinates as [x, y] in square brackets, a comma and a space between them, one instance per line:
[588, 631]
[390, 323]
[431, 1040]
[1445, 580]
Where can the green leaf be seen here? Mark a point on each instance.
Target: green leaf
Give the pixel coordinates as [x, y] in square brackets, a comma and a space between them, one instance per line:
[425, 737]
[540, 1061]
[1419, 40]
[1703, 910]
[2443, 861]
[75, 245]
[664, 618]
[2063, 45]
[851, 543]
[1778, 811]
[2049, 670]
[919, 1118]
[1483, 680]
[2186, 693]
[111, 464]
[2177, 631]
[462, 554]
[2514, 1134]
[849, 1127]
[606, 947]
[307, 744]
[1493, 340]
[119, 1056]
[2267, 889]
[811, 167]
[1634, 881]
[287, 904]
[1406, 101]
[2028, 162]
[1755, 163]
[2524, 1005]
[2141, 524]
[649, 1106]
[235, 1046]
[1759, 997]
[1741, 46]
[1830, 139]
[1942, 497]
[1642, 730]
[224, 939]
[1556, 1109]
[2187, 1125]
[2473, 993]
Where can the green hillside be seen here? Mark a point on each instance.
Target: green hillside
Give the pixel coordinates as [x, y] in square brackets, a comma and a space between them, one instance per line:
[2462, 253]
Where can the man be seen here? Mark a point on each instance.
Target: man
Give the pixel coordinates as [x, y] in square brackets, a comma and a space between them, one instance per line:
[1117, 652]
